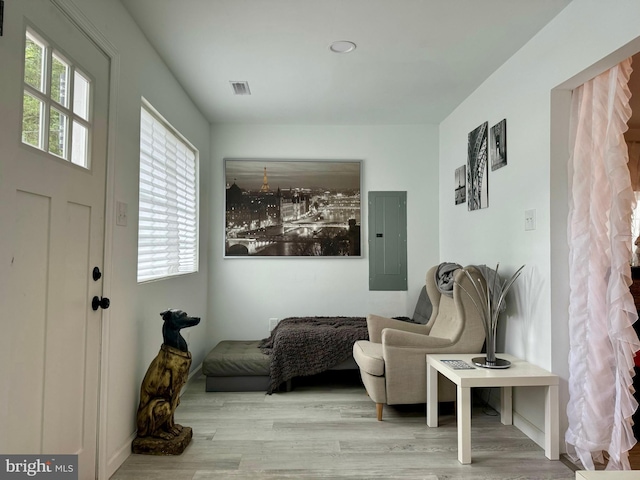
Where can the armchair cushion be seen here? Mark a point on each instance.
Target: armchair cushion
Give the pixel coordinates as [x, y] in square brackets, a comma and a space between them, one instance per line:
[368, 356]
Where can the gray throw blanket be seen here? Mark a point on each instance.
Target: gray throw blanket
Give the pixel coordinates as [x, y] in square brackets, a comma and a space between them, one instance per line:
[444, 277]
[446, 271]
[301, 346]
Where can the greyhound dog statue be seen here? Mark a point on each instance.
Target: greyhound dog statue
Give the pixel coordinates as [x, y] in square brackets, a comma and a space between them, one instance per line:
[160, 391]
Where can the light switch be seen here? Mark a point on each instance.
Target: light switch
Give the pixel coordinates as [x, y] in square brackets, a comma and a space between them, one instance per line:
[121, 214]
[530, 219]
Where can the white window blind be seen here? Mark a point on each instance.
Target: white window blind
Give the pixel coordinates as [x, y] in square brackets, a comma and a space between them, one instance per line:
[168, 204]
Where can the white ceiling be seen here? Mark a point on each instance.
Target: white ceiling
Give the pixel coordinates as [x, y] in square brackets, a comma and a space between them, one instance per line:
[416, 60]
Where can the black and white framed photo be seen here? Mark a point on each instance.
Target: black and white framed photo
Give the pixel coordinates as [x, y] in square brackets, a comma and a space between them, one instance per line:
[292, 208]
[461, 184]
[478, 168]
[498, 141]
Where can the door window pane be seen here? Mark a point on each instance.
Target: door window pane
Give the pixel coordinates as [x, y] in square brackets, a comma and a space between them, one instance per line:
[58, 133]
[32, 110]
[79, 148]
[59, 81]
[81, 96]
[34, 55]
[56, 102]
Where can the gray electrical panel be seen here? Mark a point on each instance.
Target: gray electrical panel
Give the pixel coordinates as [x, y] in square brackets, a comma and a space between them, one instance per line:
[387, 240]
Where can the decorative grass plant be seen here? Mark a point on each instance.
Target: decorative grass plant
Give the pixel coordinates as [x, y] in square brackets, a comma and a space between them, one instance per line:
[491, 303]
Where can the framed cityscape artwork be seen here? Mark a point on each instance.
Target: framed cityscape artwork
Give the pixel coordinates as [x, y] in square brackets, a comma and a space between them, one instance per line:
[478, 168]
[292, 208]
[498, 141]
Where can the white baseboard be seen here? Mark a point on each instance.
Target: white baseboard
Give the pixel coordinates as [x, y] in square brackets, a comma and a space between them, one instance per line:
[195, 372]
[120, 456]
[192, 375]
[529, 429]
[521, 423]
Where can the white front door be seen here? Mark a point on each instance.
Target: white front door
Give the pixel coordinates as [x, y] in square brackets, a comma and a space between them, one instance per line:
[52, 207]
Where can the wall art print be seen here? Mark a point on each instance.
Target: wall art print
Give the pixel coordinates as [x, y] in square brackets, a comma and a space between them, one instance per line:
[498, 145]
[478, 168]
[292, 208]
[461, 184]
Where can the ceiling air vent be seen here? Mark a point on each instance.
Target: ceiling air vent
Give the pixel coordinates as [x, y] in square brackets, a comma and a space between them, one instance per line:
[241, 88]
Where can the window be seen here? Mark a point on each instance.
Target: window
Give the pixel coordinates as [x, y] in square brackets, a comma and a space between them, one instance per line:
[56, 103]
[168, 219]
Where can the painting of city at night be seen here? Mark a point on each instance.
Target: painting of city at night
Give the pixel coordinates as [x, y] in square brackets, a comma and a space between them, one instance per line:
[292, 208]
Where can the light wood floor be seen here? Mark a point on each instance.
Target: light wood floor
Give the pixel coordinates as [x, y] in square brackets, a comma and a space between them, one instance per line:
[326, 428]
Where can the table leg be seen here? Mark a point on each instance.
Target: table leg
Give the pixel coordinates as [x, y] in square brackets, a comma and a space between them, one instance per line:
[506, 405]
[551, 424]
[464, 425]
[432, 396]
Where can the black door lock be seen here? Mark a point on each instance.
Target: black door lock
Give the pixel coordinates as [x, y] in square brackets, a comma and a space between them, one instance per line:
[97, 274]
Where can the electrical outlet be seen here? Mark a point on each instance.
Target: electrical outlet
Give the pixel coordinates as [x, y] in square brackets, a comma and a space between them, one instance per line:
[530, 219]
[272, 323]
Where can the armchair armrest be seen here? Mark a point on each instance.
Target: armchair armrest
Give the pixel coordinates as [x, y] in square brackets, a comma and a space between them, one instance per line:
[376, 323]
[397, 338]
[406, 351]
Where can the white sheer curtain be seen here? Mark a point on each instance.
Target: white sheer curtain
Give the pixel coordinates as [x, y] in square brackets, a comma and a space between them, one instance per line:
[601, 308]
[634, 171]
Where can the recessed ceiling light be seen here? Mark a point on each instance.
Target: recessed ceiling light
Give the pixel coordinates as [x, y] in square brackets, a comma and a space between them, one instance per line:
[342, 46]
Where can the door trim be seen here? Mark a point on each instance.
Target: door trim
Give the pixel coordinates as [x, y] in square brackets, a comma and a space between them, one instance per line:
[104, 467]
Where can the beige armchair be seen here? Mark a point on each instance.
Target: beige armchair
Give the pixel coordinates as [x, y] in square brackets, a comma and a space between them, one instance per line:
[393, 361]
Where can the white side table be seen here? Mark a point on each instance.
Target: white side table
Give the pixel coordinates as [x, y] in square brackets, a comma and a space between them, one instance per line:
[520, 374]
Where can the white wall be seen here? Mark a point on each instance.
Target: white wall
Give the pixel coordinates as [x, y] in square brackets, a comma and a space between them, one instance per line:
[246, 292]
[133, 325]
[569, 50]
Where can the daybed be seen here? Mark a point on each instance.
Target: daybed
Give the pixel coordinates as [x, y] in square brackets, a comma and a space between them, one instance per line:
[298, 346]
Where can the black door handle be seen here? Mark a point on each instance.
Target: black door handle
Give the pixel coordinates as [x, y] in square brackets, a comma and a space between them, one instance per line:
[98, 302]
